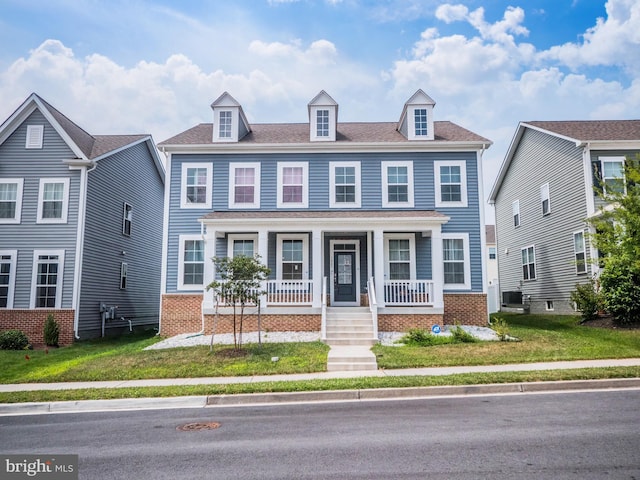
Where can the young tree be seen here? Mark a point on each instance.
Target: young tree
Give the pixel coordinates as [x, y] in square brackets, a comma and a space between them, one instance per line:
[239, 283]
[617, 238]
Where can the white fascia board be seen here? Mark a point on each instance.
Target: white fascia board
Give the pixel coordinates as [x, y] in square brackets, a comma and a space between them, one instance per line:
[612, 144]
[413, 146]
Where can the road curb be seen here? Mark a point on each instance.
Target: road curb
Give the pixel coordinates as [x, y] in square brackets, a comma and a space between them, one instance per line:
[200, 401]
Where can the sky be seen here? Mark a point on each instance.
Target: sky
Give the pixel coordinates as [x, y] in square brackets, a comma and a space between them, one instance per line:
[143, 66]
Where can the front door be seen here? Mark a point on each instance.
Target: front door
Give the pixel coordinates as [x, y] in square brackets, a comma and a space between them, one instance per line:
[344, 281]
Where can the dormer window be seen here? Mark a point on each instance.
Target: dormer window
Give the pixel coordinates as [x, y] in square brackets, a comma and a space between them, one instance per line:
[323, 118]
[420, 117]
[225, 124]
[322, 123]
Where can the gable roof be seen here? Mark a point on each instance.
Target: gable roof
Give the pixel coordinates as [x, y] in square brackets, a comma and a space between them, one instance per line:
[581, 132]
[85, 146]
[348, 133]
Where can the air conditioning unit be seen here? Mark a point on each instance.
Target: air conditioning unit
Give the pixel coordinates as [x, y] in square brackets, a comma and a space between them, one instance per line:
[512, 298]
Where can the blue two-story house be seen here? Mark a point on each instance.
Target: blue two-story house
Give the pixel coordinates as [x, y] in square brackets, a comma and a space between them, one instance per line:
[80, 226]
[386, 216]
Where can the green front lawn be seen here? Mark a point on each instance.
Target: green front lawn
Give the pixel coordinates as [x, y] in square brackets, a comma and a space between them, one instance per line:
[543, 338]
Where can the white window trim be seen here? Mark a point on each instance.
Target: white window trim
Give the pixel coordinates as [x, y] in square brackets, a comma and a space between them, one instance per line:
[35, 136]
[305, 185]
[545, 195]
[515, 210]
[12, 274]
[549, 306]
[234, 125]
[584, 251]
[256, 184]
[313, 127]
[332, 190]
[127, 216]
[463, 183]
[241, 236]
[123, 275]
[412, 252]
[60, 274]
[183, 185]
[535, 263]
[305, 252]
[18, 215]
[181, 241]
[385, 184]
[65, 200]
[411, 123]
[467, 262]
[604, 160]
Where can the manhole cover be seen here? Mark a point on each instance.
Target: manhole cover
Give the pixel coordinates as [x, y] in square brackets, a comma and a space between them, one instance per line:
[189, 427]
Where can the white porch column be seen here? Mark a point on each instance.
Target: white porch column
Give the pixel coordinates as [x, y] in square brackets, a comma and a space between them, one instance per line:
[209, 238]
[263, 251]
[378, 253]
[316, 252]
[437, 267]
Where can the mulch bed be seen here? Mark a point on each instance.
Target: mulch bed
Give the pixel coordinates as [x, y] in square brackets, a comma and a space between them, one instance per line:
[606, 321]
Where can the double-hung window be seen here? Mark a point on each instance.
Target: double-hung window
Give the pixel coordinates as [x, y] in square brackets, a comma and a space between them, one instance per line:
[457, 265]
[224, 127]
[244, 188]
[529, 263]
[196, 185]
[7, 277]
[46, 285]
[293, 184]
[191, 264]
[397, 184]
[399, 258]
[242, 244]
[127, 217]
[420, 122]
[344, 184]
[612, 175]
[123, 276]
[580, 252]
[293, 258]
[451, 183]
[515, 209]
[10, 199]
[322, 123]
[53, 200]
[544, 199]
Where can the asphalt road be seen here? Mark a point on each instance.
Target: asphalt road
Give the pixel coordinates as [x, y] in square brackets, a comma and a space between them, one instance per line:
[588, 435]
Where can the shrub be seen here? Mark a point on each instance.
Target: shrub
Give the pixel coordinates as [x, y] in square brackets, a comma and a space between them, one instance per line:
[620, 282]
[51, 331]
[460, 335]
[417, 337]
[13, 340]
[587, 299]
[501, 327]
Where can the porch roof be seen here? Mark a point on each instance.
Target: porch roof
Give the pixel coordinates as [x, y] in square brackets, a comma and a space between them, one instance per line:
[344, 218]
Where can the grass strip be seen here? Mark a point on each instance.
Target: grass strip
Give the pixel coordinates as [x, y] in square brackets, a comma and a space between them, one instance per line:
[320, 385]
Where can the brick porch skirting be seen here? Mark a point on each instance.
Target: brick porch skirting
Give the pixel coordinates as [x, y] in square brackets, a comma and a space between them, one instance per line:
[31, 322]
[466, 309]
[397, 322]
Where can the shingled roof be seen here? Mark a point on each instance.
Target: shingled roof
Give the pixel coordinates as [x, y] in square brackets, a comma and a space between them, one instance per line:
[592, 130]
[298, 133]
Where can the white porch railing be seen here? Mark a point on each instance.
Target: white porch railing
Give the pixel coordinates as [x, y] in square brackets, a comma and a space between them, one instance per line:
[408, 292]
[373, 305]
[289, 292]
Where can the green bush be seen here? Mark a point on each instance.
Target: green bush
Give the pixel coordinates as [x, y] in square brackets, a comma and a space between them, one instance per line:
[417, 337]
[501, 327]
[460, 335]
[620, 282]
[51, 331]
[13, 340]
[587, 299]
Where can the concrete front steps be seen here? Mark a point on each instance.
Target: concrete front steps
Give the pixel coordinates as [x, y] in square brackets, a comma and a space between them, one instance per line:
[350, 336]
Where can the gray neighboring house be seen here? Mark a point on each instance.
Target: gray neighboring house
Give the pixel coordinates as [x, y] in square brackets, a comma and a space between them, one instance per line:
[543, 194]
[80, 226]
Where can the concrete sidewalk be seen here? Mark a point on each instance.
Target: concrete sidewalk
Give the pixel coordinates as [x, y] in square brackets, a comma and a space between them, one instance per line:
[432, 371]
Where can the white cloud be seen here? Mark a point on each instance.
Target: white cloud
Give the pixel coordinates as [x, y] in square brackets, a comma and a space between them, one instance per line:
[612, 41]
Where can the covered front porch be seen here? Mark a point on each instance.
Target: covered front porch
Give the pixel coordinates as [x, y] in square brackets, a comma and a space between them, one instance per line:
[390, 261]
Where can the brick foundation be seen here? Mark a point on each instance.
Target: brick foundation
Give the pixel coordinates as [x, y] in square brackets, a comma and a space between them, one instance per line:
[466, 309]
[404, 322]
[31, 322]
